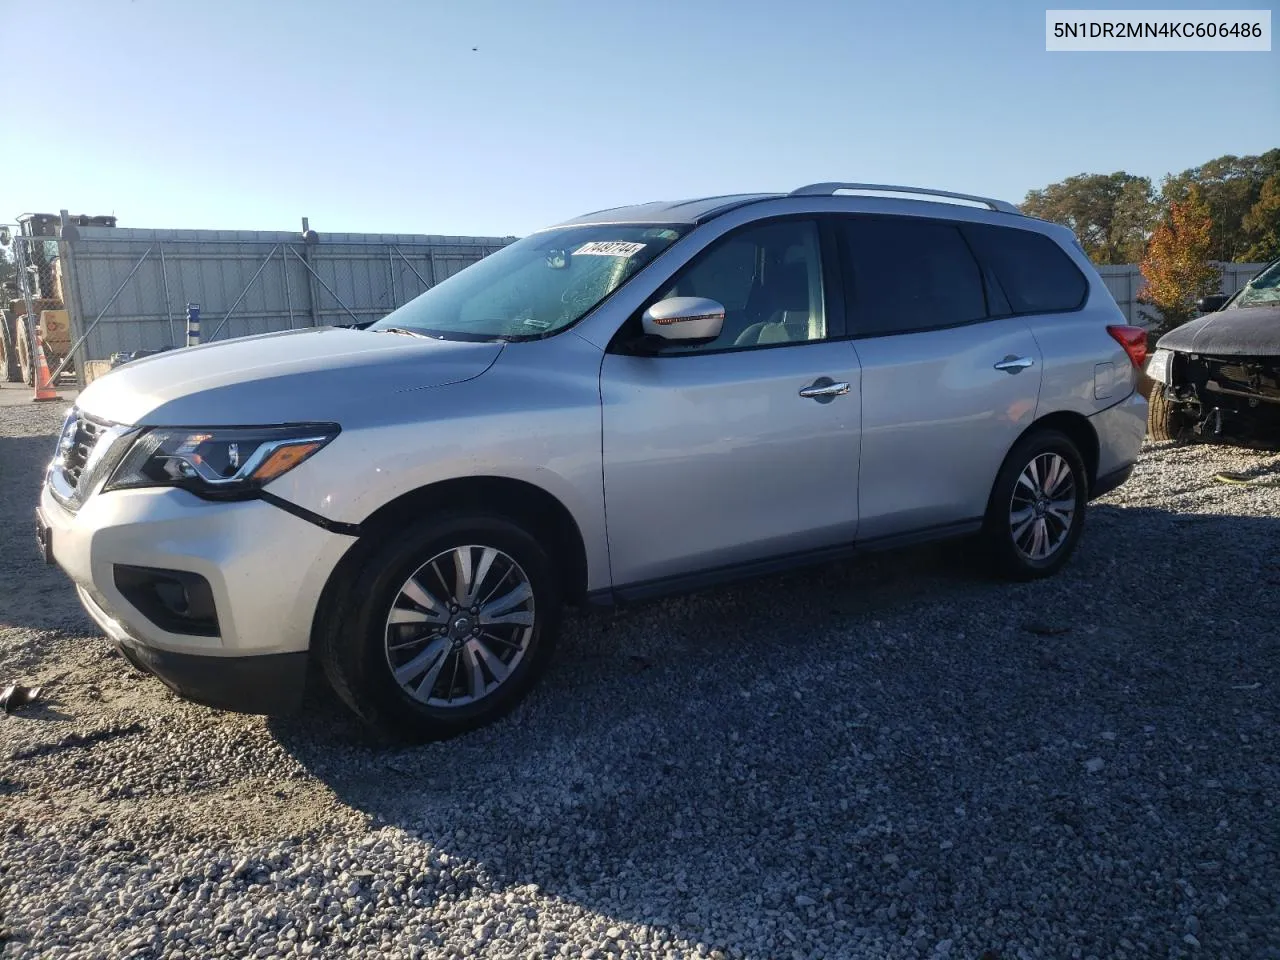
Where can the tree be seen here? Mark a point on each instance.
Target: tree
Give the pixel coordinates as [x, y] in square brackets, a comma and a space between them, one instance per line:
[1231, 186]
[1111, 214]
[1262, 223]
[1177, 267]
[8, 274]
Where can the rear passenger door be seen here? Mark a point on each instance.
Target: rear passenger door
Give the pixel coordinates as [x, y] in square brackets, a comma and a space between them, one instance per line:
[949, 379]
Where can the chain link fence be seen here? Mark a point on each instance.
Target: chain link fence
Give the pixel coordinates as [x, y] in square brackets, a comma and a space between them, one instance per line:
[96, 293]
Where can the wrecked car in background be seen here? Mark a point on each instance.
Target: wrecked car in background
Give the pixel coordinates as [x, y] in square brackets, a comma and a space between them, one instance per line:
[1218, 376]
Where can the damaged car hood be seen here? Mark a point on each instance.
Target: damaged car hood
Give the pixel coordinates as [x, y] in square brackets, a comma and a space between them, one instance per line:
[1243, 331]
[312, 374]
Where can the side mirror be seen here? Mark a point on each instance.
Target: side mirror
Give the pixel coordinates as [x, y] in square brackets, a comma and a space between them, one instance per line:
[1212, 303]
[684, 319]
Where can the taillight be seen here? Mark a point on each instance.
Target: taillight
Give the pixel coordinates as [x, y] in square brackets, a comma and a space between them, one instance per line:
[1134, 341]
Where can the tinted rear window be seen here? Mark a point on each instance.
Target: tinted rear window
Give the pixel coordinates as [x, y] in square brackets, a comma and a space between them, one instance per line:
[910, 275]
[1036, 274]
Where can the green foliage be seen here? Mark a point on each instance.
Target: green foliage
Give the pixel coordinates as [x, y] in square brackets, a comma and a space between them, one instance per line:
[8, 273]
[1114, 214]
[1231, 187]
[1262, 223]
[1111, 214]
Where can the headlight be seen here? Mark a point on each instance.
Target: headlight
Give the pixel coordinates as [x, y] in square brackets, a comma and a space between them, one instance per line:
[1159, 365]
[220, 461]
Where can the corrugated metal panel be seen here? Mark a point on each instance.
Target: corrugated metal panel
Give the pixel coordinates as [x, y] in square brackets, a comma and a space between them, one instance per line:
[357, 276]
[1126, 282]
[247, 282]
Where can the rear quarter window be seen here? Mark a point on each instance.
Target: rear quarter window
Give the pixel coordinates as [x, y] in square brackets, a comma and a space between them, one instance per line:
[1035, 274]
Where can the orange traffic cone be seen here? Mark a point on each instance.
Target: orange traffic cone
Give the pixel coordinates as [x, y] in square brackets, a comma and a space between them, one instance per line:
[44, 382]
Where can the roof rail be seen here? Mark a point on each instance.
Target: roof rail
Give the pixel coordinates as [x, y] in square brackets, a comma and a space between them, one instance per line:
[829, 189]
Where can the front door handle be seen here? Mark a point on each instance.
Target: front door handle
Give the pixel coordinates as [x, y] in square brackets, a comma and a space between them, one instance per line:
[1012, 364]
[824, 390]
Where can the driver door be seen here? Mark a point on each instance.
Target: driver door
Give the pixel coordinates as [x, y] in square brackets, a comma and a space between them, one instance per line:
[722, 454]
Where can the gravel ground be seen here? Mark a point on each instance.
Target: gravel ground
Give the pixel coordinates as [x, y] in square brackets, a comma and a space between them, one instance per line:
[888, 758]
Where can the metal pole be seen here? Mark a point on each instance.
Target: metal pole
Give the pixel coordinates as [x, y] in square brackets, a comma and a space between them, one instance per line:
[421, 280]
[168, 307]
[193, 324]
[327, 287]
[68, 245]
[391, 278]
[21, 261]
[101, 314]
[288, 294]
[305, 258]
[262, 266]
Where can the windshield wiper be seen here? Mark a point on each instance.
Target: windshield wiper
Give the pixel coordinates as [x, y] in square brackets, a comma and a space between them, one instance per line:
[403, 330]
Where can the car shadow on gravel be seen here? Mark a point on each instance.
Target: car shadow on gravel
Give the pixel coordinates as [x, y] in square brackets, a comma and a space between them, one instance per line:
[892, 745]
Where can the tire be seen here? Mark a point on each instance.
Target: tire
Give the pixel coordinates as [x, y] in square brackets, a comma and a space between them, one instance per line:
[360, 642]
[1164, 420]
[1011, 545]
[27, 369]
[10, 372]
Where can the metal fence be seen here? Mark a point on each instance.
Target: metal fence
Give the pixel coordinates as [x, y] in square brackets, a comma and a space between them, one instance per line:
[1125, 282]
[128, 289]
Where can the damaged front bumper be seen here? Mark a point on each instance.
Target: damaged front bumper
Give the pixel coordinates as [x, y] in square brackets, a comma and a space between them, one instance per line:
[1222, 395]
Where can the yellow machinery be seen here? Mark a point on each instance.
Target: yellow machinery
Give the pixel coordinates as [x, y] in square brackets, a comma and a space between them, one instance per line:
[36, 249]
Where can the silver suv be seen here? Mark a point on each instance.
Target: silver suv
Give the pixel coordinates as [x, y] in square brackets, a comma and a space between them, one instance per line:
[642, 400]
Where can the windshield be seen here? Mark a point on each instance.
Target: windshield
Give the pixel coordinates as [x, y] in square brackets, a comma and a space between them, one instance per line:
[535, 286]
[1264, 289]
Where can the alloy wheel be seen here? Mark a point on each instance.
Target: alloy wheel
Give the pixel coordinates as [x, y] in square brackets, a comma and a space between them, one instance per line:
[1043, 506]
[459, 626]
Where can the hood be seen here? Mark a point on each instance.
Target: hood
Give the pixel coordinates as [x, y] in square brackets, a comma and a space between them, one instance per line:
[1239, 331]
[315, 374]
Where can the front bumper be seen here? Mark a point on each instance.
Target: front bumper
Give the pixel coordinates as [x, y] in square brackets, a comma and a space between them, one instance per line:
[269, 684]
[265, 568]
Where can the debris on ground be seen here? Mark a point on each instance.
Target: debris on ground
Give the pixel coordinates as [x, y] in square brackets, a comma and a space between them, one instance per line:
[17, 695]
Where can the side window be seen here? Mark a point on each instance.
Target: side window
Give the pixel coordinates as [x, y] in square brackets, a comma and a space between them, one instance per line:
[769, 280]
[910, 275]
[1035, 273]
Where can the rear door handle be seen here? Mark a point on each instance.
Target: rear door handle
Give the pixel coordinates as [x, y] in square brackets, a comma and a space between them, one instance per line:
[824, 390]
[1012, 364]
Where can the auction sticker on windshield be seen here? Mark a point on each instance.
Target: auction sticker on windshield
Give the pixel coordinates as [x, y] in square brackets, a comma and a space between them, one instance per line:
[609, 248]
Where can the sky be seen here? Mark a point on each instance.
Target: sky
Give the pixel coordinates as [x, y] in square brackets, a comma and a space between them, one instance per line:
[496, 117]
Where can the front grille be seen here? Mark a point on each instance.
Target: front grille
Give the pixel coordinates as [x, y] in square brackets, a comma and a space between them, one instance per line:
[79, 438]
[79, 465]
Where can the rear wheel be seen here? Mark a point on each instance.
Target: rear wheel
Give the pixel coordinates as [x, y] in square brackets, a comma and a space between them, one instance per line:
[1036, 513]
[1165, 421]
[26, 367]
[446, 629]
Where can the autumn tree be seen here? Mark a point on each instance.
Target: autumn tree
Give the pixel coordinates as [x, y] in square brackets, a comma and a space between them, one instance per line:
[1262, 223]
[1111, 214]
[1177, 267]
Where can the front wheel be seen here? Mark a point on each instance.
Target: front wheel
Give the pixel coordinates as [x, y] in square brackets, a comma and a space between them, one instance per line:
[1036, 513]
[446, 629]
[26, 367]
[10, 371]
[1164, 420]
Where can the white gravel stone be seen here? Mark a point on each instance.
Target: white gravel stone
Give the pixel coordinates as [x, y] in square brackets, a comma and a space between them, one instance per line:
[921, 797]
